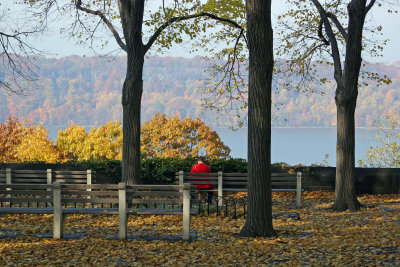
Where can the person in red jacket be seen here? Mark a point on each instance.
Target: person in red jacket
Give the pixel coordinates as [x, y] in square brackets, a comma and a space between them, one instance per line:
[200, 167]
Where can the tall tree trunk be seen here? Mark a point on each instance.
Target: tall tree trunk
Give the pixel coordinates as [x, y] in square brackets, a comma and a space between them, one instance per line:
[259, 218]
[131, 103]
[346, 98]
[345, 193]
[132, 19]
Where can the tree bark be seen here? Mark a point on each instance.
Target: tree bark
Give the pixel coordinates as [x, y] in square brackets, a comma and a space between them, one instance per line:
[345, 193]
[346, 98]
[132, 19]
[260, 41]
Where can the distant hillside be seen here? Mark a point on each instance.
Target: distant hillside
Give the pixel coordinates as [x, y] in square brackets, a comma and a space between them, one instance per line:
[87, 91]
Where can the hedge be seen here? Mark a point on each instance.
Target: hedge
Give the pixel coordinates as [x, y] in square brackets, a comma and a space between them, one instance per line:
[153, 170]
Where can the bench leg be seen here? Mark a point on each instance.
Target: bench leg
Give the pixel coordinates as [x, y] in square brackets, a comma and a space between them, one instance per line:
[58, 231]
[186, 212]
[123, 222]
[298, 190]
[122, 214]
[58, 227]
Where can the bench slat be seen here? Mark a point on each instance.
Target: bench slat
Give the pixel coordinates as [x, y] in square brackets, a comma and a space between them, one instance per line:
[153, 187]
[154, 193]
[29, 175]
[70, 181]
[26, 210]
[26, 186]
[26, 192]
[273, 190]
[156, 201]
[29, 180]
[73, 176]
[90, 186]
[28, 171]
[57, 172]
[90, 200]
[134, 211]
[24, 200]
[90, 193]
[105, 211]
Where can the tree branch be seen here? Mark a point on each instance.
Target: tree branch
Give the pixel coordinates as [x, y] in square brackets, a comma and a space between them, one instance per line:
[338, 25]
[16, 61]
[332, 39]
[78, 5]
[154, 37]
[320, 33]
[369, 6]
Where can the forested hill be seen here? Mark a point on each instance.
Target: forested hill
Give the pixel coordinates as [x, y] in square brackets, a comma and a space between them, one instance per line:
[87, 91]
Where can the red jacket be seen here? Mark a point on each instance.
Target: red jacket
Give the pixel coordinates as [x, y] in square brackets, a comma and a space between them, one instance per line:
[201, 168]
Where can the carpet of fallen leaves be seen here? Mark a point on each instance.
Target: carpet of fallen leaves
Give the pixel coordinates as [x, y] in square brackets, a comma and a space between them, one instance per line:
[320, 238]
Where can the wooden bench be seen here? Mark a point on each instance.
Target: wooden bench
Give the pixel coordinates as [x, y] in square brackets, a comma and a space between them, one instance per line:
[49, 176]
[106, 199]
[237, 182]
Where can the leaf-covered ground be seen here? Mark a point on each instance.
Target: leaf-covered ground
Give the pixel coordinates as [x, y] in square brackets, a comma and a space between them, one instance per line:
[320, 238]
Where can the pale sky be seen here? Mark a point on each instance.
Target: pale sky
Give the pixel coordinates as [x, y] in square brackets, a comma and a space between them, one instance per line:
[57, 46]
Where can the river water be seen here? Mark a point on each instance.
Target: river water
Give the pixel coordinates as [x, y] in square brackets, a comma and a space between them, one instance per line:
[300, 145]
[291, 145]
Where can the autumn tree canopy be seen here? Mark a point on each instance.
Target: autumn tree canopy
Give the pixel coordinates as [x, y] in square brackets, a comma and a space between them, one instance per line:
[21, 142]
[386, 154]
[173, 137]
[105, 142]
[161, 137]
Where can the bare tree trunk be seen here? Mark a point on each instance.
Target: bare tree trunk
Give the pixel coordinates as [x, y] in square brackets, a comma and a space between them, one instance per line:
[259, 218]
[345, 193]
[131, 103]
[132, 20]
[346, 98]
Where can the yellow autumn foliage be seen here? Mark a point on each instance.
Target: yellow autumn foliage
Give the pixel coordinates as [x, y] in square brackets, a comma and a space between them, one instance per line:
[160, 137]
[172, 137]
[35, 146]
[21, 142]
[103, 142]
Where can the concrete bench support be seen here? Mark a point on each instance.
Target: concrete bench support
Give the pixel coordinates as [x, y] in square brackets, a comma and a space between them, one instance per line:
[298, 190]
[123, 216]
[58, 230]
[186, 212]
[220, 190]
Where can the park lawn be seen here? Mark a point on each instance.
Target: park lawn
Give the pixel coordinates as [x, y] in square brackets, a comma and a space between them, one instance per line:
[320, 238]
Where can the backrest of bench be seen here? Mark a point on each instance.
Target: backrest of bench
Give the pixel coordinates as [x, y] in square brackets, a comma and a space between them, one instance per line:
[24, 195]
[199, 178]
[2, 176]
[236, 180]
[154, 194]
[47, 176]
[74, 177]
[28, 176]
[84, 195]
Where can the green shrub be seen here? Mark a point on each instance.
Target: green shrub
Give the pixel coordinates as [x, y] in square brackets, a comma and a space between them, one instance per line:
[154, 170]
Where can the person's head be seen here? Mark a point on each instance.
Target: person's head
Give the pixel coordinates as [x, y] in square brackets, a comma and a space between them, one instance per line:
[200, 160]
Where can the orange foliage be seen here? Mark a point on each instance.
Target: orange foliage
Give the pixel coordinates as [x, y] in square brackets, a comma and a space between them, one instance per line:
[20, 142]
[173, 137]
